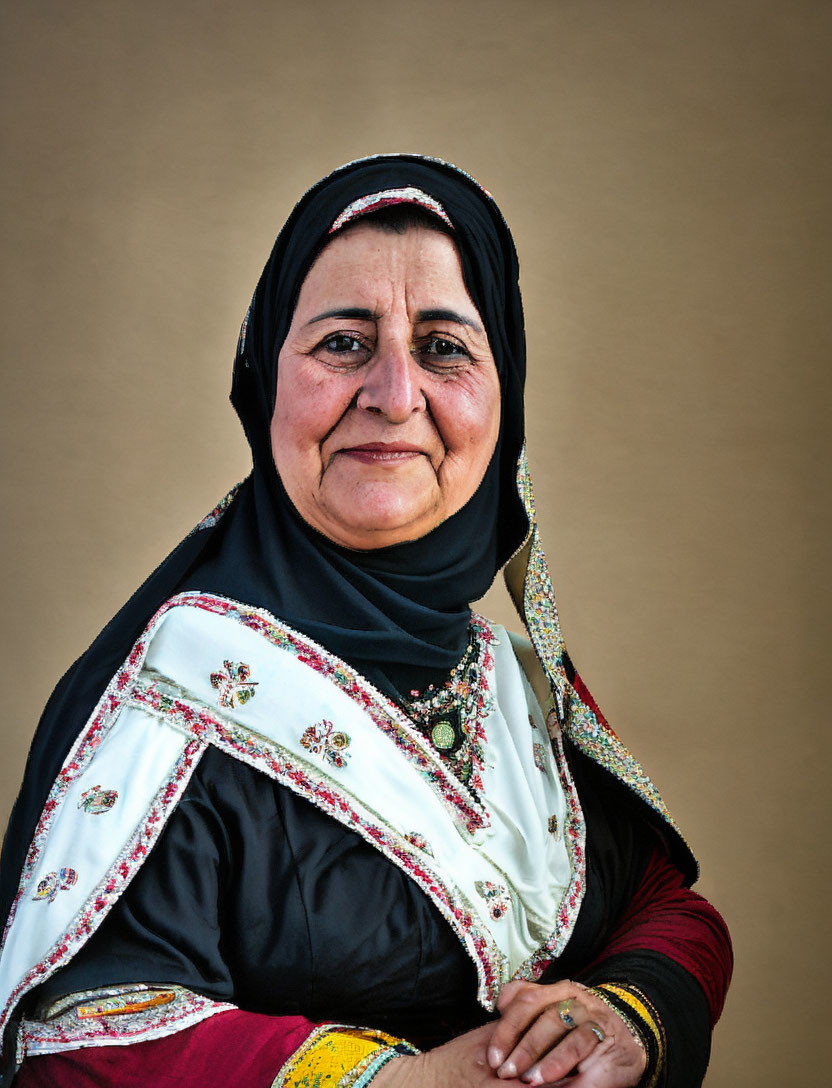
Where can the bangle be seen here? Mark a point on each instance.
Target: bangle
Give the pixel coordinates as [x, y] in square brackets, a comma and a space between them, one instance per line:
[640, 1016]
[340, 1056]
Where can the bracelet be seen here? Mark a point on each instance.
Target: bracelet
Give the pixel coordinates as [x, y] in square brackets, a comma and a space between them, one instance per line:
[640, 1016]
[340, 1056]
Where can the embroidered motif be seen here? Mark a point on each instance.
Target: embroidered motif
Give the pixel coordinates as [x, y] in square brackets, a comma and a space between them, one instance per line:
[53, 883]
[118, 1006]
[497, 896]
[553, 825]
[419, 841]
[95, 801]
[539, 756]
[234, 683]
[387, 197]
[321, 739]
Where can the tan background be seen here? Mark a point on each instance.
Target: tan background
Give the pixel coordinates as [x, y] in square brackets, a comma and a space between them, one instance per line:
[666, 169]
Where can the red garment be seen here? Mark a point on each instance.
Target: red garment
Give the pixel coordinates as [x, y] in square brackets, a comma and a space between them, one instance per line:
[229, 1048]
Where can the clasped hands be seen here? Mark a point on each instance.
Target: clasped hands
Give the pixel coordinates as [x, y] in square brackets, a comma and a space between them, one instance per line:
[550, 1034]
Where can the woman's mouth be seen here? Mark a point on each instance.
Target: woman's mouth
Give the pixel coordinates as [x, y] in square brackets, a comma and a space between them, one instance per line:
[379, 453]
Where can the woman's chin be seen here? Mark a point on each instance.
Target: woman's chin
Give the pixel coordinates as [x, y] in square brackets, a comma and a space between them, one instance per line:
[378, 517]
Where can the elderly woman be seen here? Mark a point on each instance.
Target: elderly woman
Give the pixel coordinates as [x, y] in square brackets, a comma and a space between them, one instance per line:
[298, 816]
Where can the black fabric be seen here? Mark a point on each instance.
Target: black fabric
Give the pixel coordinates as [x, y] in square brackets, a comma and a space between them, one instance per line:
[397, 614]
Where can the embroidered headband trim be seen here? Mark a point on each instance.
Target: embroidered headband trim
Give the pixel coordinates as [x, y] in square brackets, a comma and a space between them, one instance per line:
[385, 199]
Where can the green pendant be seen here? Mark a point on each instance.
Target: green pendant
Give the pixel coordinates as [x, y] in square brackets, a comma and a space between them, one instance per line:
[443, 735]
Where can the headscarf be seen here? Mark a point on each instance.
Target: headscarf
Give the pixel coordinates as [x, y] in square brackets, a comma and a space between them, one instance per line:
[399, 614]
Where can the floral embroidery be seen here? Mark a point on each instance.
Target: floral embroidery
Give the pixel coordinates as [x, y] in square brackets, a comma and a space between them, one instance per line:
[322, 740]
[234, 683]
[53, 883]
[497, 896]
[419, 841]
[374, 201]
[553, 825]
[539, 756]
[95, 800]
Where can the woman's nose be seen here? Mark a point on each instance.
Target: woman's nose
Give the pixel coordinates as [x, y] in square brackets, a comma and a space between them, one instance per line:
[392, 383]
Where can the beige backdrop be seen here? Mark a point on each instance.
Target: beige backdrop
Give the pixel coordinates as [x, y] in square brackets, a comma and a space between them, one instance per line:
[666, 169]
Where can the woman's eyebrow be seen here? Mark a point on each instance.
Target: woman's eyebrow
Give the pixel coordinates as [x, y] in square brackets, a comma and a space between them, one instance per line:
[355, 312]
[448, 315]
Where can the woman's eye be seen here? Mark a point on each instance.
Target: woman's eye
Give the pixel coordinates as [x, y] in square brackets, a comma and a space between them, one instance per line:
[341, 344]
[438, 348]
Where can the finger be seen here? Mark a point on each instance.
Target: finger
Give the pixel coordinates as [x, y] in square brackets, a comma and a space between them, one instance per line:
[553, 1023]
[525, 1002]
[566, 1056]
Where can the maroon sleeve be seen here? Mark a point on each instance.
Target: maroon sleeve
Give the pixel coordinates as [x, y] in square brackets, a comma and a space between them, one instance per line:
[666, 917]
[231, 1047]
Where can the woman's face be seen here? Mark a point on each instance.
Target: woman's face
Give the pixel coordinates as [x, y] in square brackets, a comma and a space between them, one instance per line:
[388, 401]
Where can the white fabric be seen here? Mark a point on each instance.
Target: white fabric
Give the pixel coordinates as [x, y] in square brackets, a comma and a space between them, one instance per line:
[165, 709]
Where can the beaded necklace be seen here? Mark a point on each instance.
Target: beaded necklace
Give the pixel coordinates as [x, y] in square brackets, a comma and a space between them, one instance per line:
[450, 716]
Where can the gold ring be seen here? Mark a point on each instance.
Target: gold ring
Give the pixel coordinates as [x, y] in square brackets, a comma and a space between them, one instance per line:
[563, 1012]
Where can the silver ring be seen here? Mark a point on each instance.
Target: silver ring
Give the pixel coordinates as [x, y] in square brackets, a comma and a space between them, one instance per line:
[596, 1031]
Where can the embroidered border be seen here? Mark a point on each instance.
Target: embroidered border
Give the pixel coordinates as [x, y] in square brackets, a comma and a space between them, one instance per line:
[66, 1031]
[386, 198]
[570, 904]
[119, 875]
[340, 1055]
[211, 519]
[578, 719]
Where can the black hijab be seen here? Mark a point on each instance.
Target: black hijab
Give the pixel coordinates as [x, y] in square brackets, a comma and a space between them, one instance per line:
[398, 614]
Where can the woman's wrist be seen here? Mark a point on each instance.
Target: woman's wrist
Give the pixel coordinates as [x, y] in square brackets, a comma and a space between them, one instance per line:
[643, 1023]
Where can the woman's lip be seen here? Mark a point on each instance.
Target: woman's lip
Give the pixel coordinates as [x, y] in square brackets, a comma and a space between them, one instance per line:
[379, 452]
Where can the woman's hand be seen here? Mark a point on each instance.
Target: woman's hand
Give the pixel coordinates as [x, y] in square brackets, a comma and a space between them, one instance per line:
[548, 1032]
[461, 1063]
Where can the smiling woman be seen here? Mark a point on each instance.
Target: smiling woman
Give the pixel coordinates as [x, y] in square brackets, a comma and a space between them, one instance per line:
[299, 817]
[388, 406]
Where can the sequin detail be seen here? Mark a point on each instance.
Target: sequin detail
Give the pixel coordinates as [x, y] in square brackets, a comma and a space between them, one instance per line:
[420, 842]
[137, 1013]
[497, 897]
[234, 683]
[121, 1006]
[211, 519]
[53, 883]
[96, 800]
[385, 199]
[322, 739]
[575, 716]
